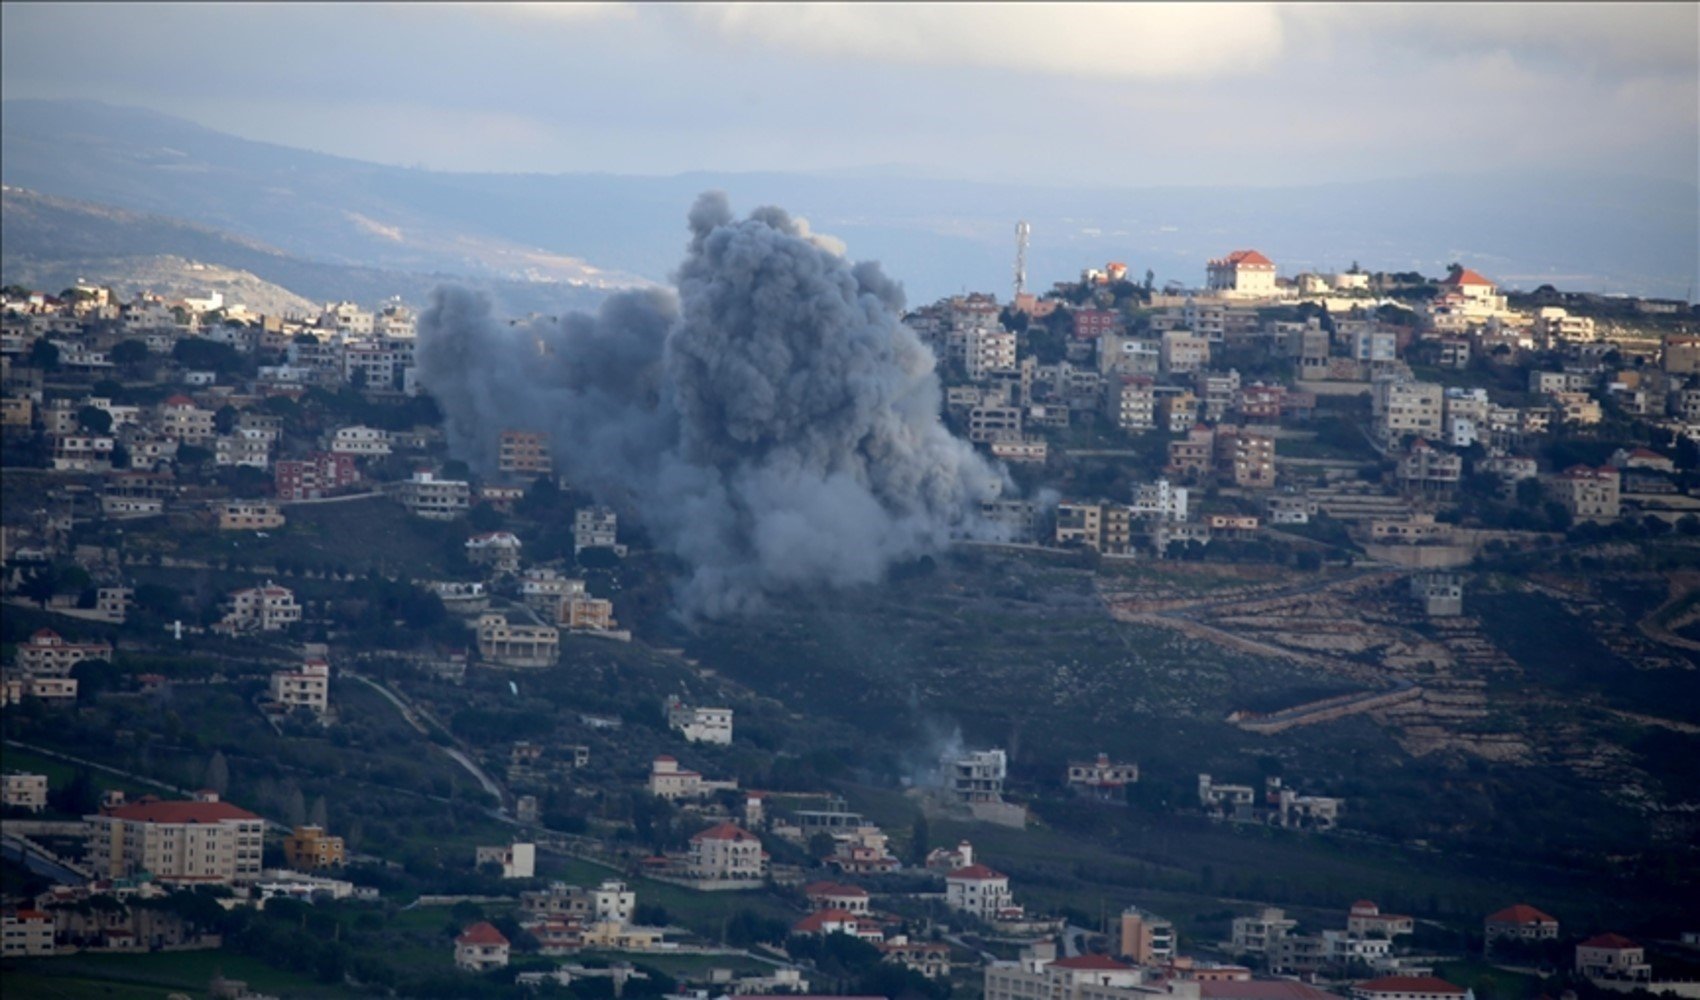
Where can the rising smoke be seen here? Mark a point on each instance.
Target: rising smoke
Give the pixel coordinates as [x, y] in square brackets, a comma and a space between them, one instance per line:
[774, 424]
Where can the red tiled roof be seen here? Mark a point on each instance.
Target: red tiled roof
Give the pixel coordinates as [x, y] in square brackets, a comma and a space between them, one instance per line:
[179, 400]
[1409, 984]
[1520, 913]
[33, 915]
[1240, 257]
[820, 918]
[481, 933]
[725, 831]
[1093, 962]
[44, 633]
[976, 873]
[1617, 941]
[180, 812]
[1260, 989]
[1465, 276]
[833, 889]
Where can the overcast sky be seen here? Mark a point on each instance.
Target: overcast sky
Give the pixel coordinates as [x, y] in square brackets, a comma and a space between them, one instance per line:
[1134, 94]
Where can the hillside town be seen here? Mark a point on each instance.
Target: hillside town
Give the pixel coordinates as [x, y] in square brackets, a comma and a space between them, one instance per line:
[227, 531]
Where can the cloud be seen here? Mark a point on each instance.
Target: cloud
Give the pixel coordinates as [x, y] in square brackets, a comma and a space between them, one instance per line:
[1102, 41]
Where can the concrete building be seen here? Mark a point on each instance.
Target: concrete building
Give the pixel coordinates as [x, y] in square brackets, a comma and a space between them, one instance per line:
[1589, 494]
[1243, 273]
[1519, 922]
[1255, 934]
[497, 551]
[667, 780]
[200, 842]
[424, 495]
[307, 848]
[1440, 594]
[981, 892]
[320, 474]
[833, 896]
[267, 608]
[1182, 352]
[977, 776]
[47, 654]
[1409, 988]
[249, 515]
[1145, 938]
[23, 791]
[515, 860]
[1402, 407]
[699, 725]
[1365, 919]
[481, 948]
[308, 687]
[1130, 402]
[990, 349]
[505, 644]
[26, 933]
[1613, 957]
[361, 442]
[1101, 778]
[596, 528]
[524, 453]
[1247, 454]
[726, 852]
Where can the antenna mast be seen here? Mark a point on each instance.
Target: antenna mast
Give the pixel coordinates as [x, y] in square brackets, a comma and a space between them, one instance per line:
[1022, 229]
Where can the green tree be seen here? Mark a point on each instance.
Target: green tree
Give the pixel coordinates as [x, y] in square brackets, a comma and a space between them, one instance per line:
[919, 841]
[44, 355]
[129, 353]
[94, 420]
[224, 419]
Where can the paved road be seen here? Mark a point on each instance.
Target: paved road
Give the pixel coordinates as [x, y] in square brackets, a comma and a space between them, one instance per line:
[415, 718]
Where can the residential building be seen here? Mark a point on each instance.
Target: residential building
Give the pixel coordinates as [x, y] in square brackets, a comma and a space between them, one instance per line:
[203, 841]
[596, 528]
[1182, 352]
[505, 644]
[1040, 974]
[180, 418]
[1159, 500]
[1401, 407]
[990, 349]
[82, 453]
[497, 551]
[981, 892]
[1101, 778]
[309, 687]
[515, 860]
[1440, 594]
[250, 449]
[1247, 454]
[1080, 524]
[1365, 919]
[1589, 494]
[26, 933]
[726, 852]
[667, 780]
[249, 515]
[1026, 450]
[987, 424]
[1193, 455]
[424, 495]
[1612, 957]
[1409, 988]
[1255, 934]
[1145, 938]
[977, 776]
[307, 848]
[1519, 922]
[1241, 273]
[1177, 412]
[481, 948]
[1093, 324]
[1555, 325]
[833, 896]
[23, 791]
[929, 958]
[700, 725]
[46, 654]
[320, 474]
[821, 923]
[1427, 469]
[524, 453]
[267, 608]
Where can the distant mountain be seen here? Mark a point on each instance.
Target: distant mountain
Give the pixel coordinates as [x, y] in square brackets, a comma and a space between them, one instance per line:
[1613, 234]
[51, 242]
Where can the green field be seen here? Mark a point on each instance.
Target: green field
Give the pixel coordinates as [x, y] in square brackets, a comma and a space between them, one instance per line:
[154, 975]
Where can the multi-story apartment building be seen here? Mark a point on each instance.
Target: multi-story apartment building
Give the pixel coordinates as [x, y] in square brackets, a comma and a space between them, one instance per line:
[1519, 922]
[989, 349]
[498, 551]
[596, 528]
[1145, 938]
[243, 448]
[1182, 352]
[1589, 494]
[320, 474]
[267, 608]
[524, 453]
[987, 424]
[1255, 934]
[23, 791]
[308, 687]
[1247, 454]
[1080, 524]
[1102, 778]
[180, 418]
[1193, 455]
[249, 515]
[1400, 407]
[47, 654]
[362, 442]
[505, 644]
[1427, 469]
[204, 841]
[308, 848]
[1130, 401]
[980, 892]
[726, 852]
[977, 776]
[424, 495]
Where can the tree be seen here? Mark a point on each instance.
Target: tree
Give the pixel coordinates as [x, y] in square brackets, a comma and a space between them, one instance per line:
[78, 797]
[919, 837]
[94, 420]
[224, 419]
[218, 774]
[129, 352]
[44, 355]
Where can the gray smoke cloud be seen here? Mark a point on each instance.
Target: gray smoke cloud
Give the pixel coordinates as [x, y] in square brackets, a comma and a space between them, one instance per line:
[773, 422]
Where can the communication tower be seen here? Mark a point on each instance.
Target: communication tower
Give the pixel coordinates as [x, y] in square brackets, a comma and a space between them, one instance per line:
[1022, 229]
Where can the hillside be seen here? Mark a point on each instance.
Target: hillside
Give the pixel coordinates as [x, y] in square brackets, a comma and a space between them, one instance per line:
[53, 241]
[1612, 234]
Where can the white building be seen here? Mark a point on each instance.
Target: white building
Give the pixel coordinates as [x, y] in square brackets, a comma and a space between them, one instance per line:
[481, 948]
[727, 852]
[366, 442]
[700, 725]
[308, 687]
[205, 842]
[516, 860]
[426, 496]
[23, 791]
[981, 892]
[267, 608]
[1243, 273]
[596, 528]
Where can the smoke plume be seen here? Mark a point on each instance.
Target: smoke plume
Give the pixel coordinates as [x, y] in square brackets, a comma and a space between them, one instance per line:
[773, 423]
